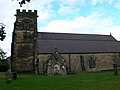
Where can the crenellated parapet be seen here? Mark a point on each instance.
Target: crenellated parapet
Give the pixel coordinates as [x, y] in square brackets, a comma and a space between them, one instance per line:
[26, 12]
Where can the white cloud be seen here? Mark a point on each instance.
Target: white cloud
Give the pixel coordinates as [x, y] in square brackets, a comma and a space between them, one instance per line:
[73, 3]
[7, 17]
[94, 2]
[115, 30]
[43, 15]
[91, 24]
[110, 2]
[7, 11]
[39, 4]
[117, 5]
[64, 10]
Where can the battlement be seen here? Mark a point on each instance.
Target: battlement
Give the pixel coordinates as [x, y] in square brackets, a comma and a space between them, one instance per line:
[18, 12]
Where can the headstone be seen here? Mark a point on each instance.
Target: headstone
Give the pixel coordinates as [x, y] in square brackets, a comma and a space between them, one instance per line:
[14, 75]
[115, 69]
[9, 76]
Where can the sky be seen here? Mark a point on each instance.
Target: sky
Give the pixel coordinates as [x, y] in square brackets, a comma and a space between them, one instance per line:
[65, 16]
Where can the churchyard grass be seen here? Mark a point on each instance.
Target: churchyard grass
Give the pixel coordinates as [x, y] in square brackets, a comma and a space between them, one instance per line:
[79, 81]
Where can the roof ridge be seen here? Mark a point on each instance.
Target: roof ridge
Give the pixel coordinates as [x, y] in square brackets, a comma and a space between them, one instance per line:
[73, 33]
[81, 40]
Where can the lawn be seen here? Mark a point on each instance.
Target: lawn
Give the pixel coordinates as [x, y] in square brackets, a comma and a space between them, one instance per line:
[80, 81]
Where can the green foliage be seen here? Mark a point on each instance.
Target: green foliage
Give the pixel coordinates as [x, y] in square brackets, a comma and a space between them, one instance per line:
[23, 2]
[81, 81]
[2, 32]
[2, 54]
[4, 66]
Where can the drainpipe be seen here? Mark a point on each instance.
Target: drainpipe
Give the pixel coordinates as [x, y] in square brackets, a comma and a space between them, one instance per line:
[69, 64]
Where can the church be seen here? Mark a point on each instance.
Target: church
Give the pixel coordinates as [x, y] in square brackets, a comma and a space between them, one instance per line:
[51, 53]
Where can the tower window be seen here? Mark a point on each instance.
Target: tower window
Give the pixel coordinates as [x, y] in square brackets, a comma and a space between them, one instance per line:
[92, 62]
[26, 25]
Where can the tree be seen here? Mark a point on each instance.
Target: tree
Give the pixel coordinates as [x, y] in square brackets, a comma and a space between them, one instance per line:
[4, 63]
[2, 32]
[2, 54]
[23, 2]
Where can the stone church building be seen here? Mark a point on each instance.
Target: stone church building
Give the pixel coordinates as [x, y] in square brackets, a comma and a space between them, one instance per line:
[59, 53]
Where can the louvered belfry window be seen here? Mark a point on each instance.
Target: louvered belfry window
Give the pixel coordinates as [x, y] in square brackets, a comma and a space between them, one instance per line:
[26, 25]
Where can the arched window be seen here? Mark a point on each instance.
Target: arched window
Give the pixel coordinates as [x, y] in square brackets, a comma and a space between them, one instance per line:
[92, 62]
[82, 63]
[26, 25]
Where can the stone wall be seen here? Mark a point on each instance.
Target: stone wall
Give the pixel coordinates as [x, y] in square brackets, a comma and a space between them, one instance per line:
[103, 61]
[23, 52]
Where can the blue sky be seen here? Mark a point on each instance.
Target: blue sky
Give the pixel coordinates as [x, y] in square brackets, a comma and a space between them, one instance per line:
[66, 16]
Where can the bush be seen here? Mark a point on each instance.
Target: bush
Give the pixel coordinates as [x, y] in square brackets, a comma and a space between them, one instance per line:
[4, 66]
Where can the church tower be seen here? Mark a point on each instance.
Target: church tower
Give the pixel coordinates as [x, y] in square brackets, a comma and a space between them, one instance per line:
[23, 50]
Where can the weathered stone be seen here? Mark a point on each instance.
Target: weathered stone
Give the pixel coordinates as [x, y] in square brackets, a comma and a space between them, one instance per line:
[24, 41]
[103, 61]
[26, 58]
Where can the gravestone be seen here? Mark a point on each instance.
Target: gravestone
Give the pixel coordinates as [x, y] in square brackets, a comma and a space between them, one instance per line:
[9, 76]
